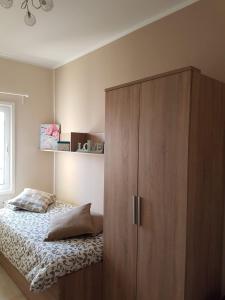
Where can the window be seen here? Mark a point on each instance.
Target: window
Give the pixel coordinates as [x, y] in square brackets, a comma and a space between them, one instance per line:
[6, 148]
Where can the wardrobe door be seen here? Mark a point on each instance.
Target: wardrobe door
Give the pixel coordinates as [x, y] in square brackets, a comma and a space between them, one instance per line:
[206, 189]
[162, 183]
[121, 165]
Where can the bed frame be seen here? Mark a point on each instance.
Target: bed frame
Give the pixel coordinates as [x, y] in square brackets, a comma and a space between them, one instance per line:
[85, 284]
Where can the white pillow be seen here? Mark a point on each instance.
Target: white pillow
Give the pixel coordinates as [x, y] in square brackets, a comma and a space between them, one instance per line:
[33, 200]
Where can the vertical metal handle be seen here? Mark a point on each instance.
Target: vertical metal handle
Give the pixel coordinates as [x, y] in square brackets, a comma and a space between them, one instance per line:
[138, 218]
[134, 199]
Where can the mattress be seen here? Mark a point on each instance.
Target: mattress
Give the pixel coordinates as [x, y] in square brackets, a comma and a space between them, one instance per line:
[42, 263]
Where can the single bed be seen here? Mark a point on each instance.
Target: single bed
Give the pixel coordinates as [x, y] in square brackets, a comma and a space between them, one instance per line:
[48, 267]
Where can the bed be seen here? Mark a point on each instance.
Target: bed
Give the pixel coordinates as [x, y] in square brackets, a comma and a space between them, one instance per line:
[69, 269]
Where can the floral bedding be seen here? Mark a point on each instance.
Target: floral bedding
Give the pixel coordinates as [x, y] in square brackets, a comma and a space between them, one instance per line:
[42, 263]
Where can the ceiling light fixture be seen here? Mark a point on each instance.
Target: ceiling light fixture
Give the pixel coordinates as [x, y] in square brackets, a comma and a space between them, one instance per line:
[29, 18]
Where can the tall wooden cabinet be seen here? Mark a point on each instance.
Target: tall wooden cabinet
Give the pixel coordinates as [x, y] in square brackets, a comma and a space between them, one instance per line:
[164, 188]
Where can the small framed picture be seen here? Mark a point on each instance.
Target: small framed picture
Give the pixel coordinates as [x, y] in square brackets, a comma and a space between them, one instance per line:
[49, 136]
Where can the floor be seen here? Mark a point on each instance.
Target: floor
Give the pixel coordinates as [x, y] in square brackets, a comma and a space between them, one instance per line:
[8, 289]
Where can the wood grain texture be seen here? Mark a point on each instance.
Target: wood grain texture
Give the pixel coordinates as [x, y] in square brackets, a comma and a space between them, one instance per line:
[121, 165]
[85, 284]
[140, 81]
[223, 263]
[8, 289]
[162, 184]
[206, 189]
[181, 180]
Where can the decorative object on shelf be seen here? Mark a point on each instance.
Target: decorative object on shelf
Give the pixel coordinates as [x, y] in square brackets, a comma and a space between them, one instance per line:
[99, 147]
[87, 146]
[63, 146]
[65, 136]
[53, 140]
[77, 140]
[49, 136]
[91, 147]
[92, 142]
[29, 18]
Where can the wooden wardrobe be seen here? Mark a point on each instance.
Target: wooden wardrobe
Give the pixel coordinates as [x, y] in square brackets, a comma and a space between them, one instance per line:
[164, 188]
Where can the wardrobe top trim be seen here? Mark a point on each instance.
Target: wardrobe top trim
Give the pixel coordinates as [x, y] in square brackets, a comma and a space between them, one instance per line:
[190, 68]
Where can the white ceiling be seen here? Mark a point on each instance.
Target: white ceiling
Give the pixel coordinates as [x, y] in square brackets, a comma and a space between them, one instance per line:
[75, 27]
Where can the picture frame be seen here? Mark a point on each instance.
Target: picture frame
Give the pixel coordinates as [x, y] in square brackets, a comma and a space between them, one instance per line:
[49, 136]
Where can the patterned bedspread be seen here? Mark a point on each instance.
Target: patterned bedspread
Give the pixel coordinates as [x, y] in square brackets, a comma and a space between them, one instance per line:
[42, 263]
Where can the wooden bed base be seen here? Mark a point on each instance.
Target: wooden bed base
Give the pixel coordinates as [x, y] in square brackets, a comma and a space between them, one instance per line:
[85, 284]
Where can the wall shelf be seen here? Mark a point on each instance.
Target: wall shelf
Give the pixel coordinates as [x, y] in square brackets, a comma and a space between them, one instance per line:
[75, 137]
[76, 152]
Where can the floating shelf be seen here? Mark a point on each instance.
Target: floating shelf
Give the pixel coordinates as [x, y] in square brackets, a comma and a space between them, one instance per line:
[77, 137]
[76, 152]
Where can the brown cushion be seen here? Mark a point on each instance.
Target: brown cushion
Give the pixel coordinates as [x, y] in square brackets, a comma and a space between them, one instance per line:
[77, 221]
[97, 222]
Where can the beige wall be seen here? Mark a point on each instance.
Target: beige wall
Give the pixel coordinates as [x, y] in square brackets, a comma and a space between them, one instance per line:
[33, 168]
[192, 36]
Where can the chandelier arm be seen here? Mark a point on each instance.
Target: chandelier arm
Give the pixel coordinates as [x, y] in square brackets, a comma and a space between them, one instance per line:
[35, 6]
[24, 4]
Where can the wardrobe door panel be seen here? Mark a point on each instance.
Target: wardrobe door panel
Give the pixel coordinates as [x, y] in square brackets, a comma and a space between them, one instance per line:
[162, 183]
[206, 189]
[121, 165]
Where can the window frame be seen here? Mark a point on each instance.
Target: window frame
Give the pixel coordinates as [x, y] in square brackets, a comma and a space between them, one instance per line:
[10, 187]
